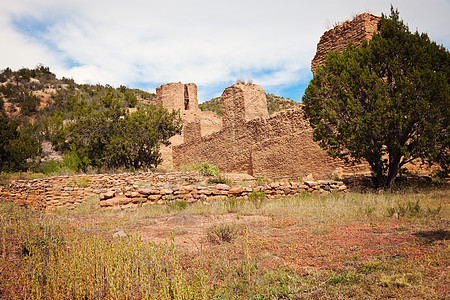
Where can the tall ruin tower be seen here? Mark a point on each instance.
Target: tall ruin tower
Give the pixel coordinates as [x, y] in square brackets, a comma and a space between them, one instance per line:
[361, 28]
[243, 102]
[177, 96]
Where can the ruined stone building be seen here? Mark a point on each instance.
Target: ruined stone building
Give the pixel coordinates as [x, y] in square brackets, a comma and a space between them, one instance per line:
[247, 139]
[360, 29]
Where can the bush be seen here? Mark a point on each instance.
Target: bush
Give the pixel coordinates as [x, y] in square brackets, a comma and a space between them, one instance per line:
[257, 197]
[222, 233]
[219, 179]
[204, 168]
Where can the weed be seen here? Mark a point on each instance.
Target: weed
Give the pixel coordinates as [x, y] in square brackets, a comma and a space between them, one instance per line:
[219, 179]
[82, 182]
[262, 180]
[232, 204]
[408, 209]
[257, 197]
[88, 206]
[178, 205]
[222, 233]
[346, 277]
[368, 268]
[204, 168]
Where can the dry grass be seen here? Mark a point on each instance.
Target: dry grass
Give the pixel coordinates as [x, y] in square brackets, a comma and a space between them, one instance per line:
[389, 244]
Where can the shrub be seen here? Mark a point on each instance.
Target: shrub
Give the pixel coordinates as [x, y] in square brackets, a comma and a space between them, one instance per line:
[204, 168]
[219, 179]
[232, 204]
[257, 197]
[222, 233]
[178, 205]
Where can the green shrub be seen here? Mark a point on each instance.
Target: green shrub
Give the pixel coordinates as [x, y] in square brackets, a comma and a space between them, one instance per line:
[219, 179]
[204, 168]
[257, 197]
[178, 205]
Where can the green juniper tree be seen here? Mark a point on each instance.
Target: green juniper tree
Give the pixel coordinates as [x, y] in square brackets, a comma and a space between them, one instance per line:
[386, 101]
[16, 146]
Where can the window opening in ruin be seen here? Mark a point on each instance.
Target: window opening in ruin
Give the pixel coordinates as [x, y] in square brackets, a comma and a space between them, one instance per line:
[186, 98]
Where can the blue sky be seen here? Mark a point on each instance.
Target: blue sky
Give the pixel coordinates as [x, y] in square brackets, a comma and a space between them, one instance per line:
[146, 43]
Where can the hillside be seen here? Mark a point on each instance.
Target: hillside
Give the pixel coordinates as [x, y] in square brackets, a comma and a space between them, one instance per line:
[27, 93]
[274, 104]
[86, 123]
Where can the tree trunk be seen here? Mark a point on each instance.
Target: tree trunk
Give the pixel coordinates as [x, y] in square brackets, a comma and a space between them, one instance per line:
[394, 166]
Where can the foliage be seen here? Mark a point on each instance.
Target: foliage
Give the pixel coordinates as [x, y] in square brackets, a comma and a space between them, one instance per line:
[222, 233]
[386, 102]
[204, 168]
[233, 204]
[16, 145]
[219, 179]
[276, 103]
[257, 197]
[115, 138]
[178, 205]
[108, 134]
[214, 105]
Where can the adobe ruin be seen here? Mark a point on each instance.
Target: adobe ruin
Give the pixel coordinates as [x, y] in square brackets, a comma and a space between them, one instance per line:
[248, 140]
[358, 30]
[177, 96]
[252, 142]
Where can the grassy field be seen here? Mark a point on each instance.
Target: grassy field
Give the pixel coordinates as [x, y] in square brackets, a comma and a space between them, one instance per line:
[339, 246]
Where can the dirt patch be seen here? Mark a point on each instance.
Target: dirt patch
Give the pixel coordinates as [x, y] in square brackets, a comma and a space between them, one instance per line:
[189, 231]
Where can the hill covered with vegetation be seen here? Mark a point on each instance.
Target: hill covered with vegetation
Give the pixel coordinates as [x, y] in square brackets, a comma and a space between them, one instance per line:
[92, 125]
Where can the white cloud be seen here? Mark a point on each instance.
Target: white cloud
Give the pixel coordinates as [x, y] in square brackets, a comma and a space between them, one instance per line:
[207, 42]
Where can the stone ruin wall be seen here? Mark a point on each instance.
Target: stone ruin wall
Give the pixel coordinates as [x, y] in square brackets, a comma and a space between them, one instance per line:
[177, 96]
[362, 28]
[279, 145]
[183, 97]
[252, 142]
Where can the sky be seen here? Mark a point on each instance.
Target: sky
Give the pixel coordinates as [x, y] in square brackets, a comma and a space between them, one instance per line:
[145, 43]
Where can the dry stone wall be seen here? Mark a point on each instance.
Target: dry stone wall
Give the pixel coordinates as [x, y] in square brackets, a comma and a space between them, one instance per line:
[131, 190]
[362, 28]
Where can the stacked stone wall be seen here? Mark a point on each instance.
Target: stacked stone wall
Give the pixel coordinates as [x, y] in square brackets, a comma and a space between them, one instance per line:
[360, 29]
[131, 190]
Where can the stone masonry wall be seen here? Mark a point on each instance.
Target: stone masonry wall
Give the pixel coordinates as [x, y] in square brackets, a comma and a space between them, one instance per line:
[279, 145]
[131, 190]
[243, 102]
[362, 28]
[177, 96]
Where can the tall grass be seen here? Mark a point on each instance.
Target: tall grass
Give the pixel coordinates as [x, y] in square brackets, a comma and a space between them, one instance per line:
[54, 256]
[41, 260]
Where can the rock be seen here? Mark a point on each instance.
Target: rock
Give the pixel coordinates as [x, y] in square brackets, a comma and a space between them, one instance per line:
[342, 187]
[107, 195]
[222, 186]
[183, 219]
[120, 234]
[235, 190]
[166, 192]
[311, 184]
[310, 177]
[145, 191]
